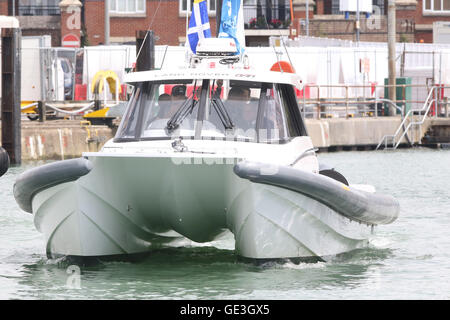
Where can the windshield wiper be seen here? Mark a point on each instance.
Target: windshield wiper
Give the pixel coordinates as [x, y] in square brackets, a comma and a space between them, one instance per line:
[186, 108]
[222, 113]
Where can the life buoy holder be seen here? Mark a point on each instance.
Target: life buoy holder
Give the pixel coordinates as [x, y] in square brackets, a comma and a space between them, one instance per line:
[282, 66]
[110, 77]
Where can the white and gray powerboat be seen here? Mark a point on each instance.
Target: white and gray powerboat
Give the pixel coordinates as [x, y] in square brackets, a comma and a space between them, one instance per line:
[201, 151]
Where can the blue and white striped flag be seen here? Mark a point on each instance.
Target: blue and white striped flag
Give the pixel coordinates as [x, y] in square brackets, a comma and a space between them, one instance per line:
[198, 24]
[232, 23]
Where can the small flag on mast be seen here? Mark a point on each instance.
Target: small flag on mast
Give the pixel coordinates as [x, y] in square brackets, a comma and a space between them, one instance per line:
[198, 24]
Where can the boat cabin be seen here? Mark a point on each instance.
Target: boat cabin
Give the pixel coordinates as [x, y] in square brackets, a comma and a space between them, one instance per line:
[232, 105]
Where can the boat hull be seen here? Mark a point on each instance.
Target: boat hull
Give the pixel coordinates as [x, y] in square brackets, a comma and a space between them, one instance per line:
[134, 204]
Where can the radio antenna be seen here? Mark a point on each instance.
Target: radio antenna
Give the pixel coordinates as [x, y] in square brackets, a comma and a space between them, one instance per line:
[148, 29]
[287, 52]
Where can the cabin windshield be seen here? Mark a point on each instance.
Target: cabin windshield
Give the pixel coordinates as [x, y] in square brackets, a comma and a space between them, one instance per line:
[210, 109]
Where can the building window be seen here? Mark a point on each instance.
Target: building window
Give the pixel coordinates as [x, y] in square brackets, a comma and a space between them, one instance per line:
[436, 6]
[273, 14]
[127, 6]
[186, 5]
[38, 8]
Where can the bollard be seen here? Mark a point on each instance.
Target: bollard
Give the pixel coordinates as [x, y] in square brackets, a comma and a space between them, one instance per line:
[446, 106]
[97, 103]
[42, 110]
[11, 113]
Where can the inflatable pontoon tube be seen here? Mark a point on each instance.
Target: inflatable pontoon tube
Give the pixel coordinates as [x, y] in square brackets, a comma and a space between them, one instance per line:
[358, 205]
[37, 179]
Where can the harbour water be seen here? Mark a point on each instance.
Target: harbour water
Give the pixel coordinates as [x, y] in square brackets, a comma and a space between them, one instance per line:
[408, 259]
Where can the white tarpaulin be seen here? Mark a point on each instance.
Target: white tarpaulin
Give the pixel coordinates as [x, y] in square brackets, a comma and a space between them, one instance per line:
[352, 5]
[327, 66]
[318, 65]
[445, 66]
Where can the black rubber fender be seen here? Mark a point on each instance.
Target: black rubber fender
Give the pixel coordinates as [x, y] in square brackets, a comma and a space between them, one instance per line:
[333, 174]
[34, 180]
[4, 161]
[330, 172]
[355, 204]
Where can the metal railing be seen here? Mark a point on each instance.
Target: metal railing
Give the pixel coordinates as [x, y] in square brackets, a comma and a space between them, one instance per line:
[424, 111]
[364, 105]
[36, 10]
[266, 17]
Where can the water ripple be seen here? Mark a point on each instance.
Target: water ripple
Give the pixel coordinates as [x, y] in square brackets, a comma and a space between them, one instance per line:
[408, 259]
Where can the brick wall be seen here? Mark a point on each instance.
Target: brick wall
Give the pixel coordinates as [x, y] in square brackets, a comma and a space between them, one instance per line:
[320, 9]
[94, 13]
[3, 7]
[167, 24]
[412, 25]
[54, 34]
[422, 19]
[42, 25]
[424, 36]
[339, 28]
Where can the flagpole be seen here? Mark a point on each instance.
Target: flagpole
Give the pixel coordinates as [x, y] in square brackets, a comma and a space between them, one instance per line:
[187, 22]
[307, 18]
[218, 16]
[107, 31]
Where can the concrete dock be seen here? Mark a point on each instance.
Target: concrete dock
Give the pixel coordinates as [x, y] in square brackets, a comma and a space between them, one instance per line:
[61, 139]
[365, 133]
[64, 139]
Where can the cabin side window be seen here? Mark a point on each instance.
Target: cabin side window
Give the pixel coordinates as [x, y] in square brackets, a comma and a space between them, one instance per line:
[295, 124]
[127, 128]
[273, 119]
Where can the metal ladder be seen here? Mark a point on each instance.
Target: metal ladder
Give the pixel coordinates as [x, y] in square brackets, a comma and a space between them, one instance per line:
[395, 142]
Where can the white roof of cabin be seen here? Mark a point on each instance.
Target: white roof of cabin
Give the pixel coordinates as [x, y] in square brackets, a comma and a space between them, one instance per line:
[225, 74]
